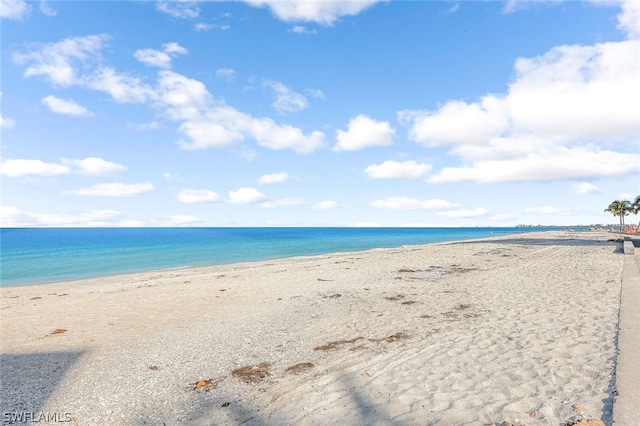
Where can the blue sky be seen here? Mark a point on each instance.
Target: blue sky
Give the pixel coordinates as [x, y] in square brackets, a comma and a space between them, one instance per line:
[326, 113]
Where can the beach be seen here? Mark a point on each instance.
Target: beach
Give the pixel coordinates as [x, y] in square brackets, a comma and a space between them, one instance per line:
[518, 328]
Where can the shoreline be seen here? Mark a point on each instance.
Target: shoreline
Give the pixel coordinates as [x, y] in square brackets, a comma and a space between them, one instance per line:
[92, 275]
[475, 331]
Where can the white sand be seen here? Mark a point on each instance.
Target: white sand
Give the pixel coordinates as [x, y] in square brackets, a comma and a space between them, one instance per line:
[519, 328]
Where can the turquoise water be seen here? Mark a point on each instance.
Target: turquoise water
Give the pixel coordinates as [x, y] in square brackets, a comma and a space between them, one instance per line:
[44, 255]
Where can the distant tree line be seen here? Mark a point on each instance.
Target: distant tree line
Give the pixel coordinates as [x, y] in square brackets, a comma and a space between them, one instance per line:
[622, 208]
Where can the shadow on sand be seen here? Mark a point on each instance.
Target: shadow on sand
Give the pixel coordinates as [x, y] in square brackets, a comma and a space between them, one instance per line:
[613, 241]
[29, 380]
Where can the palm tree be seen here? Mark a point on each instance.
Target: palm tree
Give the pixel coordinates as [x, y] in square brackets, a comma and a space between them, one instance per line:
[619, 208]
[635, 208]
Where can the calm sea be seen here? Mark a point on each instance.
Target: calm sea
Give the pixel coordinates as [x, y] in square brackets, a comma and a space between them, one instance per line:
[45, 255]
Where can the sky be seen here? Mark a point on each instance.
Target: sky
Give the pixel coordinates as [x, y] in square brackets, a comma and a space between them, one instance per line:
[324, 113]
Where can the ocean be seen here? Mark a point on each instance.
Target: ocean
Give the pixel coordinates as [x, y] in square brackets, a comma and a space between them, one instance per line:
[45, 255]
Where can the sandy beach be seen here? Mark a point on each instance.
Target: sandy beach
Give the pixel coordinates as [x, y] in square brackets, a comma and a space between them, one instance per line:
[518, 328]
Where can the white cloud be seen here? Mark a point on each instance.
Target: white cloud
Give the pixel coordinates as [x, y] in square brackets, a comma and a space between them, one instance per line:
[271, 135]
[299, 29]
[66, 107]
[91, 166]
[46, 9]
[115, 189]
[152, 125]
[77, 61]
[584, 188]
[56, 61]
[172, 177]
[95, 166]
[185, 9]
[6, 123]
[17, 10]
[13, 217]
[226, 74]
[454, 8]
[324, 12]
[398, 170]
[512, 6]
[203, 122]
[560, 112]
[121, 87]
[547, 210]
[545, 164]
[201, 26]
[160, 59]
[316, 93]
[464, 213]
[21, 167]
[364, 132]
[407, 203]
[286, 100]
[457, 122]
[274, 178]
[191, 196]
[246, 196]
[283, 202]
[325, 205]
[180, 220]
[629, 18]
[153, 58]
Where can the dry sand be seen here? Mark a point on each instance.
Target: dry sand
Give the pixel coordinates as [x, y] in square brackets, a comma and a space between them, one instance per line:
[518, 328]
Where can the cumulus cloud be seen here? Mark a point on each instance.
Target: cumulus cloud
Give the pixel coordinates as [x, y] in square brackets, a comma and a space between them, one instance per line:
[629, 18]
[407, 203]
[65, 107]
[364, 132]
[398, 170]
[203, 122]
[160, 58]
[324, 12]
[115, 189]
[325, 205]
[192, 196]
[546, 163]
[584, 188]
[57, 62]
[274, 178]
[286, 100]
[23, 167]
[560, 112]
[464, 213]
[16, 10]
[76, 61]
[14, 217]
[246, 196]
[90, 166]
[94, 166]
